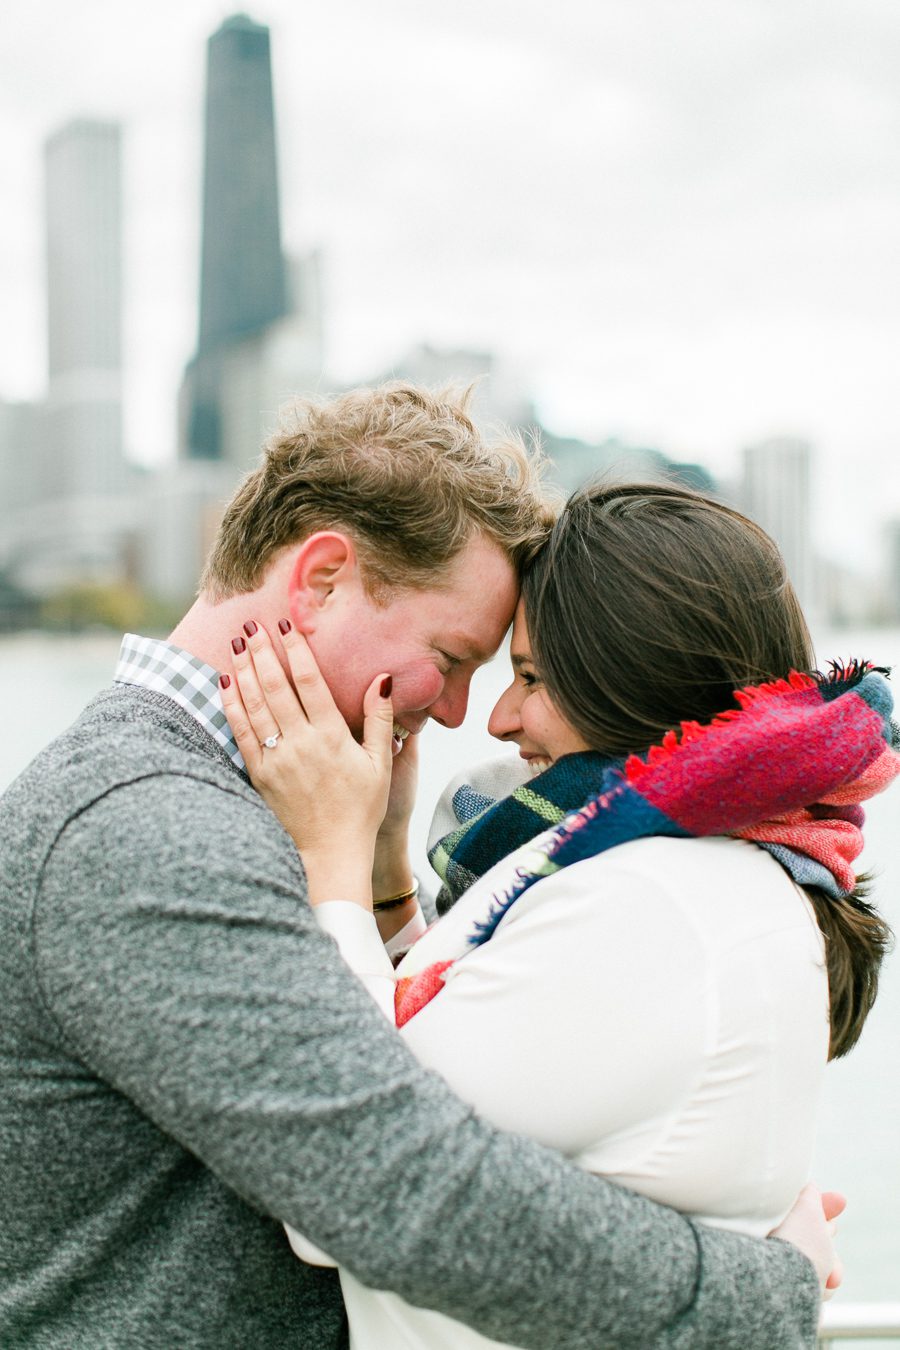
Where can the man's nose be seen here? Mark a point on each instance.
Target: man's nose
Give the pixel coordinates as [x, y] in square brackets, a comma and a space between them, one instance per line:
[450, 708]
[504, 720]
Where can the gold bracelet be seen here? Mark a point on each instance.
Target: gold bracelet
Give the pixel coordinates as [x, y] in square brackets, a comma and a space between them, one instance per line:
[392, 901]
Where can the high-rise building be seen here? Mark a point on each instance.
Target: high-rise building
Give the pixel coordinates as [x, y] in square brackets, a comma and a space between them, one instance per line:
[776, 494]
[82, 443]
[242, 282]
[258, 338]
[76, 517]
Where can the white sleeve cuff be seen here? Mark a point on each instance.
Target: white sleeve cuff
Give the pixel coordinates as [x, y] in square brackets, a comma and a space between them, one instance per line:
[356, 933]
[306, 1250]
[409, 933]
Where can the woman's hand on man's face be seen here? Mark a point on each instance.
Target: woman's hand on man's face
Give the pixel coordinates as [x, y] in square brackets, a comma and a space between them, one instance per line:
[329, 792]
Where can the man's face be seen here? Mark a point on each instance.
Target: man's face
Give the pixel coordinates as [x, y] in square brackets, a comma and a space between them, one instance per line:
[431, 641]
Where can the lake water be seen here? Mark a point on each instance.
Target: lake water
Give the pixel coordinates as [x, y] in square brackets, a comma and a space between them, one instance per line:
[45, 681]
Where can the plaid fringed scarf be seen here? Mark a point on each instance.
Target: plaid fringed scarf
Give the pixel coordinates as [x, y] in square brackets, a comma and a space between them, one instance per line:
[788, 769]
[490, 829]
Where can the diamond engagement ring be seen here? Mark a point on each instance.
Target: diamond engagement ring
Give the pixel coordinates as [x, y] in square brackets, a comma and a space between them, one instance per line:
[271, 741]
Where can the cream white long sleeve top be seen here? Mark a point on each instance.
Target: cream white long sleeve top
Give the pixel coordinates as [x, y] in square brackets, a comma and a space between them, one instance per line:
[658, 1013]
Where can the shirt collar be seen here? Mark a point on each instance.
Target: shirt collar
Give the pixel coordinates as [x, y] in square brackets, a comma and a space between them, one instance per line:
[189, 682]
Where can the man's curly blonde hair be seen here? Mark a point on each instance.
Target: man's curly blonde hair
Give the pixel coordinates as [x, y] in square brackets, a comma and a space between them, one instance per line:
[403, 470]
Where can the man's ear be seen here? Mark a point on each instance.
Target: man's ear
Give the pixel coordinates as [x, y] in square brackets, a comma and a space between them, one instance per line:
[322, 564]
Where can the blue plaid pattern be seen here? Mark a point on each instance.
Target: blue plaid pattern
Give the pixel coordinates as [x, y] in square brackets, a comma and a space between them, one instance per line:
[151, 664]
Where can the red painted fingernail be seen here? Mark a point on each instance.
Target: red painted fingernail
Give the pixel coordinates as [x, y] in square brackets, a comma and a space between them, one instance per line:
[387, 685]
[284, 625]
[250, 627]
[224, 681]
[238, 645]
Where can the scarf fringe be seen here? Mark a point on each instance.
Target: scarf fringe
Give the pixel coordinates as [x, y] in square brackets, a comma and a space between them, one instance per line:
[840, 679]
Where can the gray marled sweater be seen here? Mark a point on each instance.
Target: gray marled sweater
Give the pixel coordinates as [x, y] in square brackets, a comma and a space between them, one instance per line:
[186, 1062]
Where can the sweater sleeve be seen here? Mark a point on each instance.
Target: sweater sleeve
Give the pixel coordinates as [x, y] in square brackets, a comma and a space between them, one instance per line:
[195, 980]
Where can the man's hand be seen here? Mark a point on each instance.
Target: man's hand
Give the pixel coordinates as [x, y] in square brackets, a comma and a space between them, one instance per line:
[391, 868]
[402, 796]
[811, 1226]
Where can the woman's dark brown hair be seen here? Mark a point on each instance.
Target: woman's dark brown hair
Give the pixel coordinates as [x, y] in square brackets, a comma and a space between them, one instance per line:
[649, 605]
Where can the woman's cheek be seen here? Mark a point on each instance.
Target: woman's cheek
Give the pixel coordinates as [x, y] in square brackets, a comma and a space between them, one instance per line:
[533, 718]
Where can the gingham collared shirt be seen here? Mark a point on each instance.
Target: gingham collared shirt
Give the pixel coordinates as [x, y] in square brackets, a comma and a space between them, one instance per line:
[151, 664]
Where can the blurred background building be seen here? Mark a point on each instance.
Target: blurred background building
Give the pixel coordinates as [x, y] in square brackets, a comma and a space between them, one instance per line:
[71, 513]
[775, 492]
[84, 311]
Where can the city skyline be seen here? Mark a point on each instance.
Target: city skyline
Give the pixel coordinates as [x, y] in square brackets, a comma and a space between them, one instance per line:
[683, 233]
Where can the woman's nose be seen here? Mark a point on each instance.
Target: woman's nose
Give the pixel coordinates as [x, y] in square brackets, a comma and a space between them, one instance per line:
[504, 722]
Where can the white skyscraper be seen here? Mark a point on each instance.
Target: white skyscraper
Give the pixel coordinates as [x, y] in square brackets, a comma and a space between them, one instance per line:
[776, 494]
[82, 447]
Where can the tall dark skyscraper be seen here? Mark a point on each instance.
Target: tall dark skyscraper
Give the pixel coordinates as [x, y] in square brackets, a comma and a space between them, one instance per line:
[242, 283]
[243, 286]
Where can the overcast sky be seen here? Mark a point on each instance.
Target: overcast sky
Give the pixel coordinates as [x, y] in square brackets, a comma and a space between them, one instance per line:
[679, 218]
